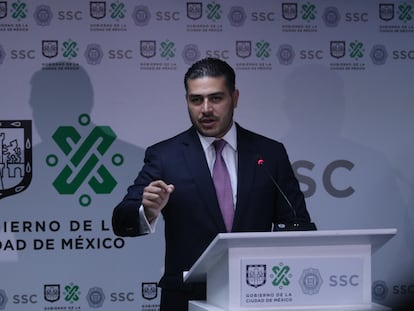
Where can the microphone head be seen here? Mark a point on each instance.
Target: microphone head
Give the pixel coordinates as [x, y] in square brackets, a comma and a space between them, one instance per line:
[259, 160]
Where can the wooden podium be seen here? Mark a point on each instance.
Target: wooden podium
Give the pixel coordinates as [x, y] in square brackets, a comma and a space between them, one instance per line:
[297, 270]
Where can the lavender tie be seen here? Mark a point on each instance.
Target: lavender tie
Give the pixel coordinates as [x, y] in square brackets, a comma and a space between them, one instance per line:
[222, 184]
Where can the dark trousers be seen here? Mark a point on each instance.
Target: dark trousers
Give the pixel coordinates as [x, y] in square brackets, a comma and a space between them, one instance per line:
[177, 300]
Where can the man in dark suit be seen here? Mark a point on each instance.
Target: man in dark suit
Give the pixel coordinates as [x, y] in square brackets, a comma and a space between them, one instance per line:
[177, 181]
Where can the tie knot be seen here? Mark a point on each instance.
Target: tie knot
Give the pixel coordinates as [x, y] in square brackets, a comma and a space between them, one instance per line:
[219, 145]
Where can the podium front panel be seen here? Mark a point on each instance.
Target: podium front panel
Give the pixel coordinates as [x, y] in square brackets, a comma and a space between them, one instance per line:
[315, 270]
[277, 277]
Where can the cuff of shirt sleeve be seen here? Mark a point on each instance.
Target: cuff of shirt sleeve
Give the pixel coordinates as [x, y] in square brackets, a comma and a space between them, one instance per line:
[145, 225]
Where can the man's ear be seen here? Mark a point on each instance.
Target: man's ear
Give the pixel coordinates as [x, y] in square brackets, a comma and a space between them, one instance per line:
[235, 96]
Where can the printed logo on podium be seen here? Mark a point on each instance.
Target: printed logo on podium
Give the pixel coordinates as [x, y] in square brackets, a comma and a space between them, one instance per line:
[281, 275]
[310, 281]
[15, 156]
[256, 275]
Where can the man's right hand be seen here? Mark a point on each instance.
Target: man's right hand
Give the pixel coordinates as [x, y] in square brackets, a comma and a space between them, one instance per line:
[155, 197]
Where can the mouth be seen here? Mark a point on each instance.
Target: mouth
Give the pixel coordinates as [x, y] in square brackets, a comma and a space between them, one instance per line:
[208, 122]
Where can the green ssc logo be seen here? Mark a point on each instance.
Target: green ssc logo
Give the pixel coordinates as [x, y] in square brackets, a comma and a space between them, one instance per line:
[167, 49]
[356, 50]
[213, 11]
[70, 49]
[118, 10]
[84, 160]
[19, 10]
[405, 12]
[72, 293]
[308, 12]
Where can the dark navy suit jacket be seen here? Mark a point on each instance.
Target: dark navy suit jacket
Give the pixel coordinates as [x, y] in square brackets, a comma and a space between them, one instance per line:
[192, 215]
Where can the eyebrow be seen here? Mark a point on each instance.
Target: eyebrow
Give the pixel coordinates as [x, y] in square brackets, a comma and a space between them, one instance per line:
[207, 95]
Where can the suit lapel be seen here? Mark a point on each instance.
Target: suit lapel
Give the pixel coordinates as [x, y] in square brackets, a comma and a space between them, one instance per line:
[247, 167]
[196, 161]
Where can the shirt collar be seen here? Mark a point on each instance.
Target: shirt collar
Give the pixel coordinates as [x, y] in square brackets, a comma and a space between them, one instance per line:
[230, 138]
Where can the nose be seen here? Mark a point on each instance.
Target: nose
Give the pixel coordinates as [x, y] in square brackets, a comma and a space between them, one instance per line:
[206, 106]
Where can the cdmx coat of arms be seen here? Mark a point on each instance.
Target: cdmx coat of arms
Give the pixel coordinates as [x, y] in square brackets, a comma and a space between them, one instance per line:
[15, 156]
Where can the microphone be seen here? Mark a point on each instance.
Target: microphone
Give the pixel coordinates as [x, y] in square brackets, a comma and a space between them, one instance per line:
[296, 224]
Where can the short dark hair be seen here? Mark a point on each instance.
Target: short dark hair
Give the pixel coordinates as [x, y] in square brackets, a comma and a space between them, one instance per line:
[211, 67]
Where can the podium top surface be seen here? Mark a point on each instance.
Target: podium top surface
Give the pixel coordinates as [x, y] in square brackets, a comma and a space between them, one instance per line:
[223, 241]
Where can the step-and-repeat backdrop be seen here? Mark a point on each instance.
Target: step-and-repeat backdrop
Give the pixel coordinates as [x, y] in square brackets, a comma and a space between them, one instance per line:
[86, 86]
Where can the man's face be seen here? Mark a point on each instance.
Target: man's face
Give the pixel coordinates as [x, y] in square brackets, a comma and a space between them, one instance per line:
[210, 105]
